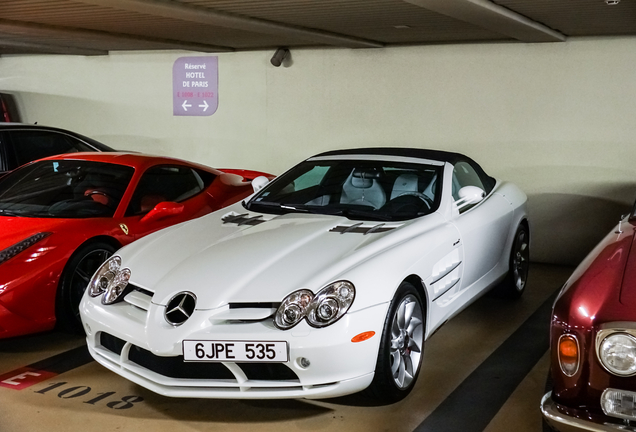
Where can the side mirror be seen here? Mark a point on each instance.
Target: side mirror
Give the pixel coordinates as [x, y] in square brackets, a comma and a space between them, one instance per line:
[163, 210]
[259, 183]
[469, 195]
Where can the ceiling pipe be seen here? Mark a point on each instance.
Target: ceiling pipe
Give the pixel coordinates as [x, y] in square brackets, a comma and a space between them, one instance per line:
[491, 16]
[204, 15]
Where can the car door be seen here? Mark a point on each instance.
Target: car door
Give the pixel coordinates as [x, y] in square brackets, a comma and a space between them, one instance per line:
[483, 227]
[180, 186]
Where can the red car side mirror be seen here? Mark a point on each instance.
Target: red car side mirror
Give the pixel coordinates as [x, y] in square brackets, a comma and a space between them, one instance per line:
[163, 210]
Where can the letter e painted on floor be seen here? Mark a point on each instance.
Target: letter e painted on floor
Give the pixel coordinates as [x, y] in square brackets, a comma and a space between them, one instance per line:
[22, 378]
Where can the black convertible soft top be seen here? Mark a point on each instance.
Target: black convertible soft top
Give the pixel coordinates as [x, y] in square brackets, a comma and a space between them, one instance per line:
[438, 155]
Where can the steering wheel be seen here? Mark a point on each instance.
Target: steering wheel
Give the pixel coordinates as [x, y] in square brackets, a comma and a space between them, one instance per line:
[425, 198]
[100, 196]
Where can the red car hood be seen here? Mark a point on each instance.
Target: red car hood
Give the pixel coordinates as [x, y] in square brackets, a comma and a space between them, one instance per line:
[15, 229]
[601, 285]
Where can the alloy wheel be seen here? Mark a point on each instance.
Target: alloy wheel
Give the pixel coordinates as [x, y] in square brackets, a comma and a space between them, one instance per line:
[407, 338]
[520, 260]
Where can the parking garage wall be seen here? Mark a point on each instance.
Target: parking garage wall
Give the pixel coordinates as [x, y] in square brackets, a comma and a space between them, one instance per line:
[557, 119]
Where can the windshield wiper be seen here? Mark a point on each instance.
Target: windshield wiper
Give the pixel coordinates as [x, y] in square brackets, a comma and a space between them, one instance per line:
[357, 214]
[301, 208]
[296, 207]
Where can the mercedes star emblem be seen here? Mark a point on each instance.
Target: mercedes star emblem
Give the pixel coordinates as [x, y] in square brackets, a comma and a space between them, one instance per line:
[180, 308]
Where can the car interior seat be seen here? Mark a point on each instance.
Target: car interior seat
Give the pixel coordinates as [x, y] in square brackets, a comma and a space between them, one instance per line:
[405, 184]
[429, 190]
[362, 187]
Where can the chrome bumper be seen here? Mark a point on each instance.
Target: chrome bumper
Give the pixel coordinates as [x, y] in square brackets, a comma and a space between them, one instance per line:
[564, 423]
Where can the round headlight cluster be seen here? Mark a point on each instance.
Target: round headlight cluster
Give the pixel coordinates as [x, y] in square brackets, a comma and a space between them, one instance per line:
[110, 280]
[617, 353]
[321, 310]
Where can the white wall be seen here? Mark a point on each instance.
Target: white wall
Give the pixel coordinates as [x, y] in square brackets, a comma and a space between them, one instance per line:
[557, 119]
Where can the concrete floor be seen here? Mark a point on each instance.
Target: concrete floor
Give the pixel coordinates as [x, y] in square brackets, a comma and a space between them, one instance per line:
[90, 398]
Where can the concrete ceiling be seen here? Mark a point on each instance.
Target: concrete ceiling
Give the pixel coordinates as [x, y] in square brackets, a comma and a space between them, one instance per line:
[95, 27]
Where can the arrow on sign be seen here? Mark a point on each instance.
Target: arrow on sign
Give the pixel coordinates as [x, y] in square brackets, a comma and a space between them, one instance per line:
[204, 106]
[186, 105]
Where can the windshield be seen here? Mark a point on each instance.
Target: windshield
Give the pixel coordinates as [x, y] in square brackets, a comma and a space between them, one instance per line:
[361, 190]
[64, 189]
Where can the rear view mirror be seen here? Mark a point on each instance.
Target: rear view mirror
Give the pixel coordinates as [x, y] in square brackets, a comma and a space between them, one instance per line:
[259, 183]
[469, 195]
[163, 210]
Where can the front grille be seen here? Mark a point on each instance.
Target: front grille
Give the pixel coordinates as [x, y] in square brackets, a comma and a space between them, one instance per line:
[111, 343]
[268, 371]
[175, 367]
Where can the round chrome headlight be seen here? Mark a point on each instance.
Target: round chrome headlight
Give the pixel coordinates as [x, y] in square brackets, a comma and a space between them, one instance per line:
[330, 304]
[617, 353]
[293, 309]
[321, 310]
[116, 286]
[110, 280]
[104, 275]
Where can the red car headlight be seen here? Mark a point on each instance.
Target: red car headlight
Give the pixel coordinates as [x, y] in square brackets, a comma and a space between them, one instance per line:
[617, 353]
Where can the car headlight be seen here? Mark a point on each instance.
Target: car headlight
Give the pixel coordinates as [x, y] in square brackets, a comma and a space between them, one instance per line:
[110, 280]
[321, 310]
[11, 251]
[617, 353]
[293, 309]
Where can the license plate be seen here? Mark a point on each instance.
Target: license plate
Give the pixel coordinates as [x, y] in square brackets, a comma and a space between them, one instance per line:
[235, 351]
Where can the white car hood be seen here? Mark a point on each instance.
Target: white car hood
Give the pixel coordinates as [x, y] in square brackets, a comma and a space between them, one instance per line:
[226, 262]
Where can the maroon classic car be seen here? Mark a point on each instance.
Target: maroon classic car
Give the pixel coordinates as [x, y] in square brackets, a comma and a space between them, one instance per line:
[593, 341]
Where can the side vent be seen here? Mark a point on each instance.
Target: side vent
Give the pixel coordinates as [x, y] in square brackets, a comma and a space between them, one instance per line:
[360, 228]
[242, 219]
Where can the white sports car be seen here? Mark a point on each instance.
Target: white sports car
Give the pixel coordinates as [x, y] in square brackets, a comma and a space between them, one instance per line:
[326, 282]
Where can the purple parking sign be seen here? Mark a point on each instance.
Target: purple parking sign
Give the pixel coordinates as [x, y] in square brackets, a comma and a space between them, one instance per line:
[195, 84]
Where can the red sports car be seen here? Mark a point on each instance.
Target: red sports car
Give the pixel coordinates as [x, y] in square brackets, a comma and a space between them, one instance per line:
[62, 216]
[593, 341]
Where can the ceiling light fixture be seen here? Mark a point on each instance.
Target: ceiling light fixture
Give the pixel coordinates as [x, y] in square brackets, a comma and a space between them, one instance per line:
[612, 2]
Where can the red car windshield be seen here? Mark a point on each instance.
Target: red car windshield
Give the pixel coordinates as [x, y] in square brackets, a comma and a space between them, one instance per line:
[64, 189]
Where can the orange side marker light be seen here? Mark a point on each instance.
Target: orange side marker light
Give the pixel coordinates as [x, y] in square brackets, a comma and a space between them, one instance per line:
[568, 354]
[363, 336]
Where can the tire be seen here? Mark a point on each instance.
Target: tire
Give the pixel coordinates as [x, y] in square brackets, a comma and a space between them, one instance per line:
[514, 284]
[401, 347]
[77, 273]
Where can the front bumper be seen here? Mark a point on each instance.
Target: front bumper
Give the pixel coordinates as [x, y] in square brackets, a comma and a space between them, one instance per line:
[148, 352]
[565, 423]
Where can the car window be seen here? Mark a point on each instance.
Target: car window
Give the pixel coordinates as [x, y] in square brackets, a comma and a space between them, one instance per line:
[32, 145]
[64, 189]
[311, 178]
[164, 183]
[356, 189]
[465, 175]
